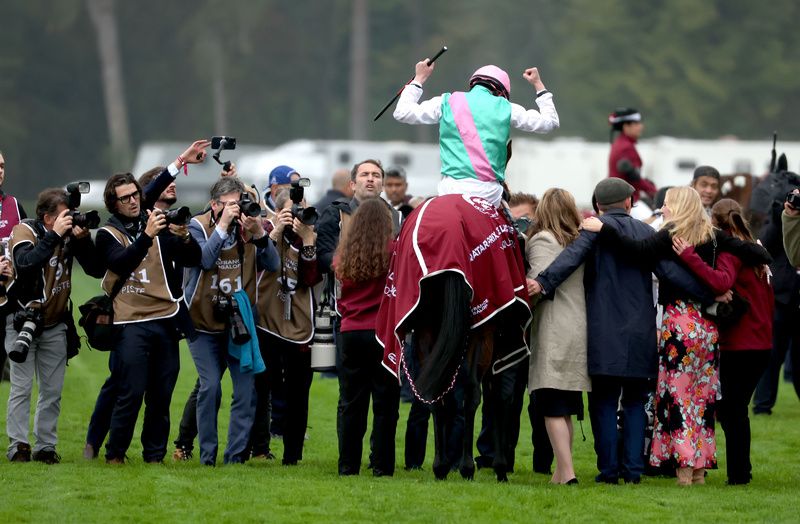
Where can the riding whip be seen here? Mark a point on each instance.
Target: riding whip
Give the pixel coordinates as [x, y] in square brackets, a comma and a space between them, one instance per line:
[393, 100]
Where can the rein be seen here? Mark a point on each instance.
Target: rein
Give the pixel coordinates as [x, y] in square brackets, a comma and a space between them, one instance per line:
[413, 386]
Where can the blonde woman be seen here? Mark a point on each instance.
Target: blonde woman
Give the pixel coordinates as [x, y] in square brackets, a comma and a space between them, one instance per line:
[558, 367]
[688, 376]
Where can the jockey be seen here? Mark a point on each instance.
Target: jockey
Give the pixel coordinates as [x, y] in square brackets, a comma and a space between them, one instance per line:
[475, 126]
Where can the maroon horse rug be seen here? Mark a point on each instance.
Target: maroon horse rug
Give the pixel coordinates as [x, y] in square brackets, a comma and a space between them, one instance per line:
[468, 236]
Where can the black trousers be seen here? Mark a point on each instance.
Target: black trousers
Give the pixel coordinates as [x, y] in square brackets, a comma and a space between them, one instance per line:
[362, 376]
[739, 372]
[100, 422]
[187, 429]
[146, 369]
[513, 382]
[290, 364]
[3, 358]
[785, 337]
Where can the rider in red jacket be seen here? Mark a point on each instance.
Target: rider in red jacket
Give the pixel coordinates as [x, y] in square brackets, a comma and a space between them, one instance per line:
[624, 161]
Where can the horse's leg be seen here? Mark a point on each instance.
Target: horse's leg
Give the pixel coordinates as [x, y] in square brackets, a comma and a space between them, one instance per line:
[502, 395]
[443, 415]
[477, 360]
[472, 395]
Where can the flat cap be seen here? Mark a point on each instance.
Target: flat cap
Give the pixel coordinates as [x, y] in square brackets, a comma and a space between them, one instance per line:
[611, 190]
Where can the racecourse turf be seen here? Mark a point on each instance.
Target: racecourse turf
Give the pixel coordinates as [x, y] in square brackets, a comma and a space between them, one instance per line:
[78, 490]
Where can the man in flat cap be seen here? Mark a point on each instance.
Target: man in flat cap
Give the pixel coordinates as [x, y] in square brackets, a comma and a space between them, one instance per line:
[621, 325]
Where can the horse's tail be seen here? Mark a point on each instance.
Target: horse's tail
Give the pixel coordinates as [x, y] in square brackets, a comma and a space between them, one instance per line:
[444, 311]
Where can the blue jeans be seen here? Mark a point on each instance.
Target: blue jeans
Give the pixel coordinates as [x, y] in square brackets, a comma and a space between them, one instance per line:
[210, 355]
[603, 402]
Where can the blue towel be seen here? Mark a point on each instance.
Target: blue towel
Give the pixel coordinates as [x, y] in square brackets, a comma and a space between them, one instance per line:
[248, 354]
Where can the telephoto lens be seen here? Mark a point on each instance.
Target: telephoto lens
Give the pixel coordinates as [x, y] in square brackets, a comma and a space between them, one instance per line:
[248, 207]
[26, 323]
[323, 349]
[88, 220]
[179, 217]
[239, 332]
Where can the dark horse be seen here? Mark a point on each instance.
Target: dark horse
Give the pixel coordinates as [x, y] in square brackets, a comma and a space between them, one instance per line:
[443, 342]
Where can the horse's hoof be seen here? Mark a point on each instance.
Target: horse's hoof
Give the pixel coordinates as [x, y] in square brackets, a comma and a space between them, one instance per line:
[467, 469]
[501, 476]
[441, 472]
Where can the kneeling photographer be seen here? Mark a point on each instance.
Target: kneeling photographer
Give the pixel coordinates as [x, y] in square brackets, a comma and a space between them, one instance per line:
[285, 323]
[37, 340]
[221, 295]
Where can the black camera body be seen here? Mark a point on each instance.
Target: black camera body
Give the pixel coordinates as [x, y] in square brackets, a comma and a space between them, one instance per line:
[226, 310]
[306, 215]
[4, 253]
[28, 324]
[248, 206]
[179, 217]
[88, 220]
[793, 199]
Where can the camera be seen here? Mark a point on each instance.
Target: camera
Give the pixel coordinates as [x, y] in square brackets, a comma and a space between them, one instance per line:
[248, 206]
[323, 348]
[88, 220]
[27, 323]
[222, 308]
[219, 143]
[522, 224]
[223, 142]
[793, 199]
[226, 309]
[306, 215]
[4, 253]
[179, 217]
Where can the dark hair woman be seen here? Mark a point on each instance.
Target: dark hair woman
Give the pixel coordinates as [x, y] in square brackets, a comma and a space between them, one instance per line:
[361, 263]
[745, 344]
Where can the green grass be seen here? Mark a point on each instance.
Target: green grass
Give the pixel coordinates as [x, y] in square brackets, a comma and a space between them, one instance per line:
[79, 490]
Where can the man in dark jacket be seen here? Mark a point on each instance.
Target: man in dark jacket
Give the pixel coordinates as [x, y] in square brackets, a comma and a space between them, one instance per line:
[621, 324]
[340, 190]
[785, 335]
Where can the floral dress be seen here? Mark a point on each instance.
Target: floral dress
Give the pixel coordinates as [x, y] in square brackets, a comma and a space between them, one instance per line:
[687, 390]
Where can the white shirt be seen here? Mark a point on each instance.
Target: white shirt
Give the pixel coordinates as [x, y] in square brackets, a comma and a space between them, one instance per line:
[410, 111]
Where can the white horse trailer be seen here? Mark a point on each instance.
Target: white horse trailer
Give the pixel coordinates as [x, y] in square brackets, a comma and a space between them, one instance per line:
[536, 164]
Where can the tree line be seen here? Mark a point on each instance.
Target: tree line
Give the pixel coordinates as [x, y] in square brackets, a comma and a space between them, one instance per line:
[84, 82]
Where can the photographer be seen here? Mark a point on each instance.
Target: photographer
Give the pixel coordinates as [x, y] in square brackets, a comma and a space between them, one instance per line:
[285, 328]
[42, 251]
[137, 245]
[234, 248]
[104, 406]
[791, 228]
[11, 213]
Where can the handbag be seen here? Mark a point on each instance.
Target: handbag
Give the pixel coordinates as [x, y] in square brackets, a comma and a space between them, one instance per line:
[97, 319]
